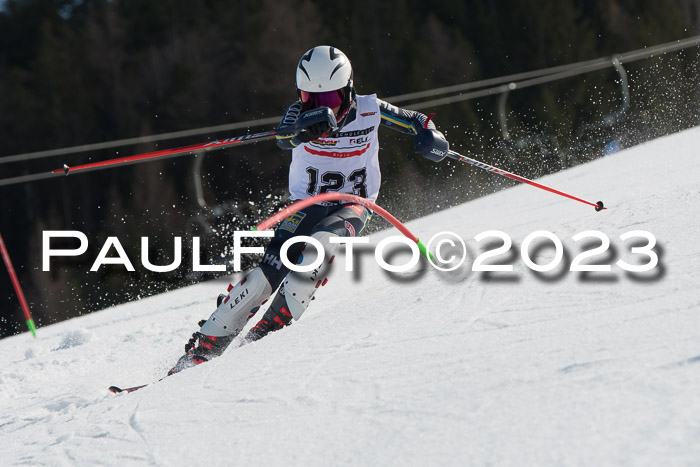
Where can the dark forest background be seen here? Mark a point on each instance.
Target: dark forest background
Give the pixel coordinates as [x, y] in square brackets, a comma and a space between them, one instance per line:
[76, 72]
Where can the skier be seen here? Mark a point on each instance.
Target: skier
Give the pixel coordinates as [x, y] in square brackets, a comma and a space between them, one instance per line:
[332, 133]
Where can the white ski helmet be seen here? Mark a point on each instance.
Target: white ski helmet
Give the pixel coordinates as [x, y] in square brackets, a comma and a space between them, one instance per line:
[324, 79]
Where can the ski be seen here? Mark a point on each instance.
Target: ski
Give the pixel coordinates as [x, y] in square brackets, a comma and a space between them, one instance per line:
[117, 390]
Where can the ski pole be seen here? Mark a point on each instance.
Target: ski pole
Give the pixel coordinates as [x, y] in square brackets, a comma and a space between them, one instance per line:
[468, 160]
[165, 153]
[17, 286]
[145, 157]
[304, 120]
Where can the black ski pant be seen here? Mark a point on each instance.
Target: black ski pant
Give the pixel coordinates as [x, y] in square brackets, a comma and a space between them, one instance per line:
[344, 220]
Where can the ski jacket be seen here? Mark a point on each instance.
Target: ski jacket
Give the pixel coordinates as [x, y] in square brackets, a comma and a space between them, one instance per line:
[348, 160]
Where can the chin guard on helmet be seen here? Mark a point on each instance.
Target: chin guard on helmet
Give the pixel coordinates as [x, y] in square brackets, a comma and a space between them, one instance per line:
[308, 119]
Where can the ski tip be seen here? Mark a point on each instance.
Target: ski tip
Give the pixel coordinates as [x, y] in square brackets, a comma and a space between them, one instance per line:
[117, 390]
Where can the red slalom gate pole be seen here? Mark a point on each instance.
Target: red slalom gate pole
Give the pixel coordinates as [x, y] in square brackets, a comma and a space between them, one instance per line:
[457, 156]
[17, 286]
[304, 203]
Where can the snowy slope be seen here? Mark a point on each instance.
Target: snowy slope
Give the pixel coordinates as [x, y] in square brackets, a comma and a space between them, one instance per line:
[422, 368]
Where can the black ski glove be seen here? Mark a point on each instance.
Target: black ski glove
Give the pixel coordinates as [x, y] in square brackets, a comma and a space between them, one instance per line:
[314, 131]
[431, 144]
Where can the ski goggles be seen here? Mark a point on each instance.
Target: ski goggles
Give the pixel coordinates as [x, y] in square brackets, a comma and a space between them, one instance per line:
[314, 100]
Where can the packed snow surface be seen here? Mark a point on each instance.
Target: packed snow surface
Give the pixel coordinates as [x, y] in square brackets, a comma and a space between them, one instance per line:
[416, 368]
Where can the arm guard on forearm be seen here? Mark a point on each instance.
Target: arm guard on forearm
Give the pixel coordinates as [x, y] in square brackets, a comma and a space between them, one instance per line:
[403, 120]
[429, 142]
